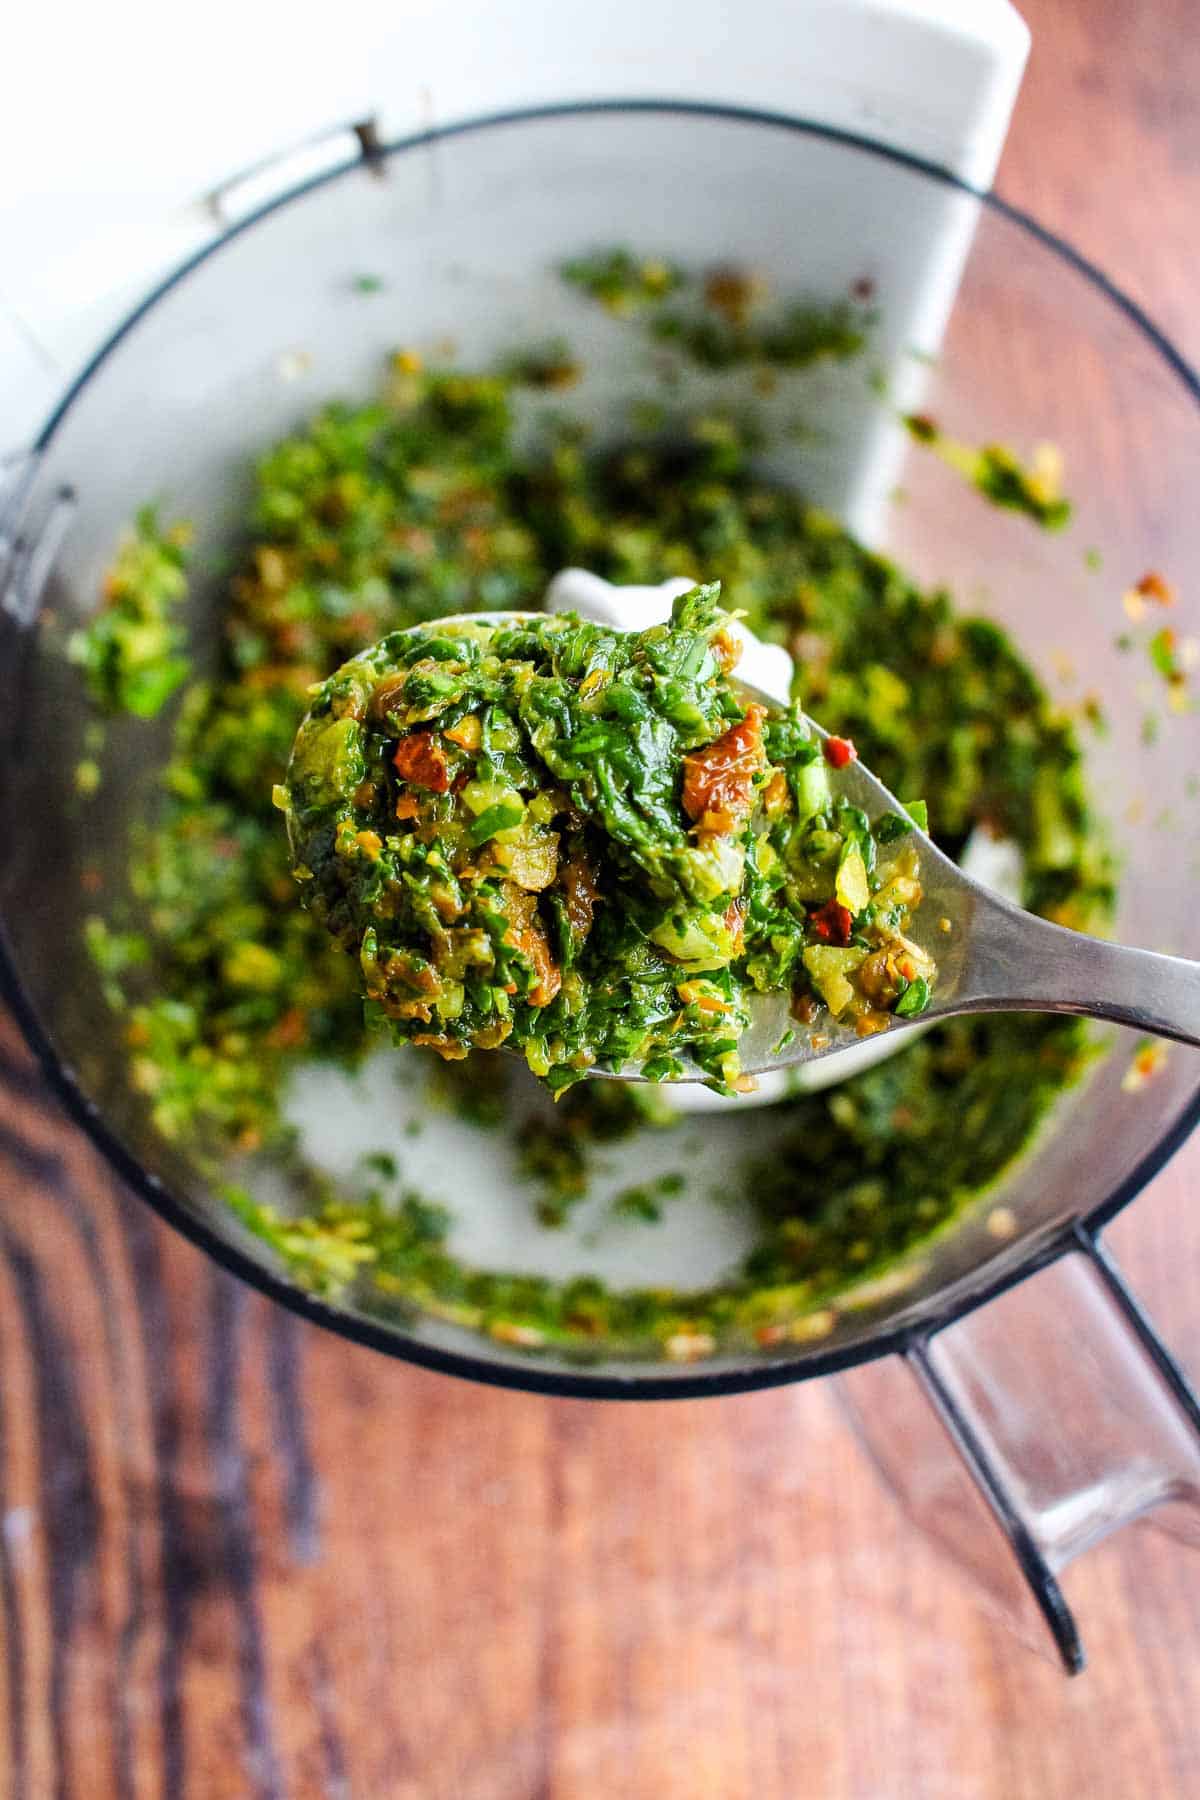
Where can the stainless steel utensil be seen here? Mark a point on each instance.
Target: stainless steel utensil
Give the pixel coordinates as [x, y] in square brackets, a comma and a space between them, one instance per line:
[992, 956]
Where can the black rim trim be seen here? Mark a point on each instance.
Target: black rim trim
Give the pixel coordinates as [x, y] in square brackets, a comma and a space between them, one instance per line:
[530, 1378]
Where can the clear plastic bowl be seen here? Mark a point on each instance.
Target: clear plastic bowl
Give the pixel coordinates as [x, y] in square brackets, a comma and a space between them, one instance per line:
[465, 229]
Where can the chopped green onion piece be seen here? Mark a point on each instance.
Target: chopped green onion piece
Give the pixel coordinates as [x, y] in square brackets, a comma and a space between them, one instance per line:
[914, 998]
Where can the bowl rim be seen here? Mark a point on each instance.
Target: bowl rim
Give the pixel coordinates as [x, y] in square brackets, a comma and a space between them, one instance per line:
[640, 1383]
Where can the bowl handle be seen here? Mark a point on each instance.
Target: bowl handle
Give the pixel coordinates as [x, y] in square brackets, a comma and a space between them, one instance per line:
[1066, 1417]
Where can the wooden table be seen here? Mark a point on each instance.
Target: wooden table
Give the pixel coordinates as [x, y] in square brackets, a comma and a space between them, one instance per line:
[239, 1557]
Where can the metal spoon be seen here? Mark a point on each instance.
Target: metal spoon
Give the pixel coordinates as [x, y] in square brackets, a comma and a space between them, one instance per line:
[992, 956]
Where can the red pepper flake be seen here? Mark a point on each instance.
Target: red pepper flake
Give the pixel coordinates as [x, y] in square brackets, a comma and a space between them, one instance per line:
[833, 923]
[1154, 586]
[1149, 1058]
[838, 752]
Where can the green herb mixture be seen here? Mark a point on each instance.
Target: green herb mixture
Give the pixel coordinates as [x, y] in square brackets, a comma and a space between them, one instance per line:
[588, 845]
[999, 475]
[378, 517]
[133, 654]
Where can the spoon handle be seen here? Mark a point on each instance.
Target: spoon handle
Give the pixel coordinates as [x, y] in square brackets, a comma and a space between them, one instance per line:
[1019, 963]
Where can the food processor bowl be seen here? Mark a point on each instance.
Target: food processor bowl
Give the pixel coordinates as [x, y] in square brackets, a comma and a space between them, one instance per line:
[993, 330]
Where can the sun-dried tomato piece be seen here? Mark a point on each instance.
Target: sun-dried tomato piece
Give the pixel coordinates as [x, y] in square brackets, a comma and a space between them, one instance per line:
[525, 934]
[580, 893]
[388, 692]
[420, 760]
[805, 1008]
[718, 781]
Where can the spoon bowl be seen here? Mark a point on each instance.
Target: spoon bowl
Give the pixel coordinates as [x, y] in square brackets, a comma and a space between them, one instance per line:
[991, 956]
